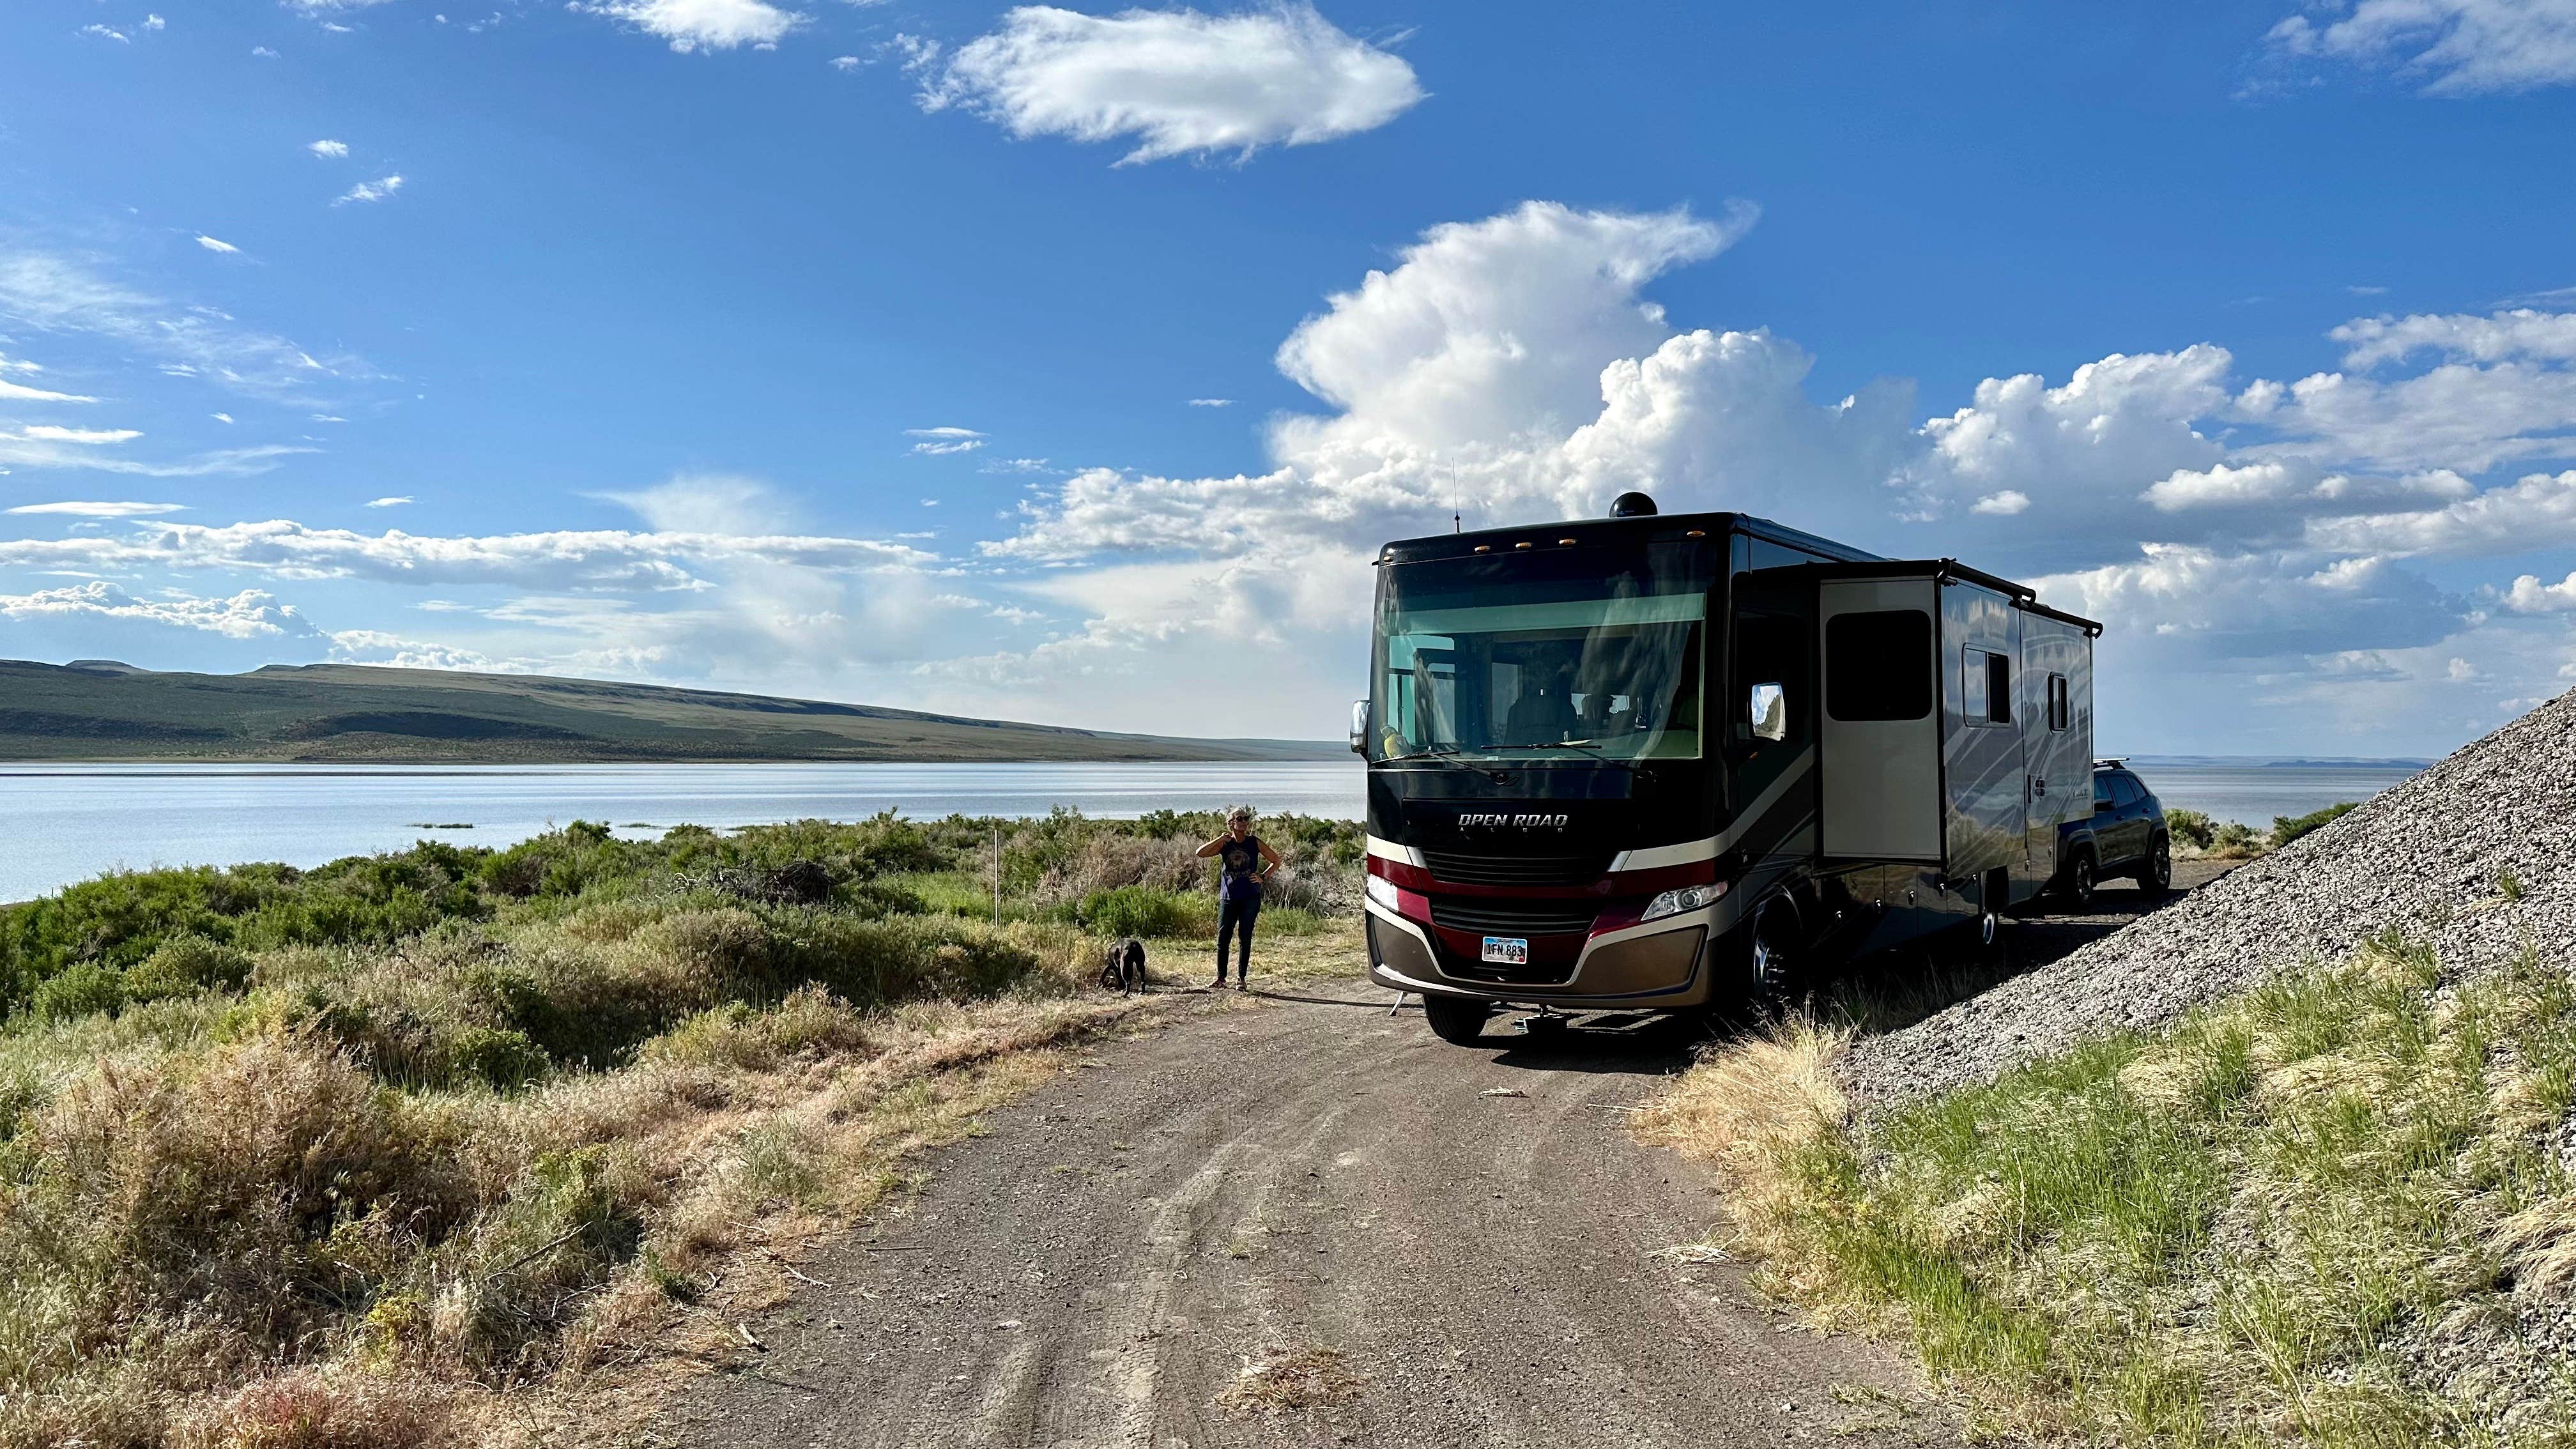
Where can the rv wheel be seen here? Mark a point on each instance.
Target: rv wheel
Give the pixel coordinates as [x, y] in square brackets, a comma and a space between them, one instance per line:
[1772, 945]
[1456, 1020]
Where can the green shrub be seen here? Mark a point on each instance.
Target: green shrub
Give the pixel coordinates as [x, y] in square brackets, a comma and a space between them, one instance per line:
[2286, 828]
[2234, 839]
[1133, 911]
[498, 1057]
[85, 988]
[185, 966]
[2191, 828]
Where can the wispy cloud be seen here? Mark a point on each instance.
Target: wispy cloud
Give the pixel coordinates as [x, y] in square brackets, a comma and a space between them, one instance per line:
[107, 32]
[2455, 47]
[615, 559]
[394, 501]
[65, 295]
[213, 245]
[87, 437]
[328, 150]
[78, 509]
[20, 392]
[376, 190]
[939, 442]
[1211, 402]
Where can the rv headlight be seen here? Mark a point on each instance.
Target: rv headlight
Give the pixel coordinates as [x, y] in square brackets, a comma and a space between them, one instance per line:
[1684, 898]
[1382, 891]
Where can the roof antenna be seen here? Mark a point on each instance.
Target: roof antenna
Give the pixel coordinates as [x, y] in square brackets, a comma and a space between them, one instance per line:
[1456, 525]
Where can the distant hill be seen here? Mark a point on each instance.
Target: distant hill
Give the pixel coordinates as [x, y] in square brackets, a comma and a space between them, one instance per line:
[98, 709]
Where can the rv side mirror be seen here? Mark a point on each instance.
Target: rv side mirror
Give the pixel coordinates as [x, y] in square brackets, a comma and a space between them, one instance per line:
[1767, 709]
[2101, 807]
[1359, 726]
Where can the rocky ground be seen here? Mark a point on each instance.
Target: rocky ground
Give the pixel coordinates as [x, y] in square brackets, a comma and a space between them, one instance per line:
[2476, 856]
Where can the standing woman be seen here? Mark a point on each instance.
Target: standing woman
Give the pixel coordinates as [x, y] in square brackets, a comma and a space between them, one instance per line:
[1247, 862]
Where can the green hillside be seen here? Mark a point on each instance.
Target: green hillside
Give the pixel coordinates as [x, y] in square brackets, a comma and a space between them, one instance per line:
[100, 710]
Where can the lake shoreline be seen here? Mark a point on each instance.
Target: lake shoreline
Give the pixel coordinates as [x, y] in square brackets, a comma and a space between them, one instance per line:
[87, 818]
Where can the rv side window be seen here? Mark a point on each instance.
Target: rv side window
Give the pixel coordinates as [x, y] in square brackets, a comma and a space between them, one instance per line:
[1878, 665]
[1985, 687]
[2060, 710]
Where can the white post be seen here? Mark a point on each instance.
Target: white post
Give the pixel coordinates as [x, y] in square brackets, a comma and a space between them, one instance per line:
[997, 873]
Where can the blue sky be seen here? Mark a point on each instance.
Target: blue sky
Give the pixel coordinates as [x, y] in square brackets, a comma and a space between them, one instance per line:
[1064, 364]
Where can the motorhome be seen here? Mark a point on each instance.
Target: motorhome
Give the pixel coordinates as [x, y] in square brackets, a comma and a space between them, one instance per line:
[1654, 762]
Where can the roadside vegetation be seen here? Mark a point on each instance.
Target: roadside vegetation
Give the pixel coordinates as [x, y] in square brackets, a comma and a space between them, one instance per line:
[392, 1151]
[2198, 835]
[2334, 1211]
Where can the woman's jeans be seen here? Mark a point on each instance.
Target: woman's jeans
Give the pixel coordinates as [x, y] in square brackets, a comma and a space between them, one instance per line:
[1232, 916]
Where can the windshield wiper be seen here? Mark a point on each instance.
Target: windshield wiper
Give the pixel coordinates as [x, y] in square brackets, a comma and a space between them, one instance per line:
[1587, 746]
[1435, 748]
[1447, 754]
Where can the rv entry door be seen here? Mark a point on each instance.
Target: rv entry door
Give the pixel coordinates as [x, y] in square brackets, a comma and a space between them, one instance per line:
[1881, 745]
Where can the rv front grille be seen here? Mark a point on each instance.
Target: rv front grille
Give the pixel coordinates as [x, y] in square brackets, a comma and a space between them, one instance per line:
[1508, 975]
[1496, 916]
[1516, 870]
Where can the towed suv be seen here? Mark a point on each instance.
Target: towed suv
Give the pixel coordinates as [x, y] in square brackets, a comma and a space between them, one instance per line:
[2124, 836]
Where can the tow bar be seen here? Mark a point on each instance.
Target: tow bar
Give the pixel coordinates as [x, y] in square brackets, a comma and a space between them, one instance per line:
[1543, 1021]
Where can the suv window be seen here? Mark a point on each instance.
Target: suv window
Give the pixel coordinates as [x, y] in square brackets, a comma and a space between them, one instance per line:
[2126, 791]
[2101, 791]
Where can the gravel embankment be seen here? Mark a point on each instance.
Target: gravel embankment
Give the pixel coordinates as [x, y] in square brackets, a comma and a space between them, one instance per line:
[2432, 857]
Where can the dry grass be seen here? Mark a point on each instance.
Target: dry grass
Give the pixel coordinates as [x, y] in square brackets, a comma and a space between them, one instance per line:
[1284, 1382]
[222, 1224]
[2318, 1213]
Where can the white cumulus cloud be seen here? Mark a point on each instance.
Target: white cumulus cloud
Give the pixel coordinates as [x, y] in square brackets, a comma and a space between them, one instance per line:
[2530, 596]
[249, 614]
[1173, 82]
[694, 25]
[328, 150]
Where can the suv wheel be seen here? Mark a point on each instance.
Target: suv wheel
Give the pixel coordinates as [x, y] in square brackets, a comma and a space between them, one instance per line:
[2077, 884]
[2156, 877]
[1457, 1020]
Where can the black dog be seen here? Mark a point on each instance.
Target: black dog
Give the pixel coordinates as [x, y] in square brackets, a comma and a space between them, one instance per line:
[1123, 969]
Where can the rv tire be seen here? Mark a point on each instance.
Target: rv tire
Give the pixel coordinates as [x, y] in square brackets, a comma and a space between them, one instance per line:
[1457, 1020]
[1774, 965]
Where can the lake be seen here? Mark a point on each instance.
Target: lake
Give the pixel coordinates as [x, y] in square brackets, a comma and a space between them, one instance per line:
[68, 822]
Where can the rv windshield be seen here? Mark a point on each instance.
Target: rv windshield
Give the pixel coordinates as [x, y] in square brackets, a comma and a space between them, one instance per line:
[1572, 654]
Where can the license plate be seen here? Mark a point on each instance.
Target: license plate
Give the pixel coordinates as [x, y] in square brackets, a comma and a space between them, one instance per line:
[1509, 950]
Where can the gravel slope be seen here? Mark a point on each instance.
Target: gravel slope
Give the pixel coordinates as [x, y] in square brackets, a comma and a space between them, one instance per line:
[1473, 1231]
[2427, 857]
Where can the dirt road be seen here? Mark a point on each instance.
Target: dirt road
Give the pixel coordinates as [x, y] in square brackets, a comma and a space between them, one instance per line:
[1440, 1246]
